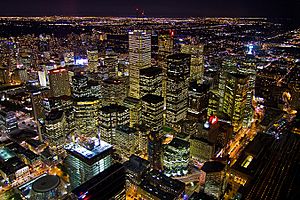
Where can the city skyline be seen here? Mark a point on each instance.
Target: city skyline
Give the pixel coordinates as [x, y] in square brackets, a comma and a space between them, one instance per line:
[149, 108]
[156, 8]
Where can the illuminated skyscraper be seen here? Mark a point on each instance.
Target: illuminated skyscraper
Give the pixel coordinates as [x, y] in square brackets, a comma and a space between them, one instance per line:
[79, 86]
[86, 160]
[176, 157]
[198, 100]
[59, 82]
[177, 87]
[151, 81]
[92, 60]
[152, 111]
[197, 63]
[110, 117]
[248, 67]
[235, 98]
[113, 91]
[139, 58]
[165, 48]
[86, 115]
[55, 125]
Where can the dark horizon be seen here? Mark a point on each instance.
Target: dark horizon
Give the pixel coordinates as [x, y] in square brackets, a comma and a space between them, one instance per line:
[155, 8]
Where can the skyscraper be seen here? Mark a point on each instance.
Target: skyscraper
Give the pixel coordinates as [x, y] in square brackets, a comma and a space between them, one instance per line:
[59, 82]
[197, 63]
[110, 117]
[84, 161]
[151, 81]
[92, 60]
[152, 112]
[176, 157]
[79, 86]
[86, 115]
[177, 87]
[55, 125]
[139, 58]
[235, 98]
[165, 48]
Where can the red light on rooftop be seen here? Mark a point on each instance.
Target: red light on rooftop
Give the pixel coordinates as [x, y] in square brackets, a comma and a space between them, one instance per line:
[172, 33]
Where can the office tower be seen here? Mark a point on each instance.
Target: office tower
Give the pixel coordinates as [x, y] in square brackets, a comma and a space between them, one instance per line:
[86, 115]
[110, 117]
[113, 91]
[155, 150]
[213, 102]
[109, 184]
[151, 81]
[235, 99]
[139, 58]
[111, 63]
[152, 112]
[93, 62]
[8, 120]
[198, 100]
[177, 87]
[79, 86]
[134, 106]
[176, 157]
[215, 174]
[59, 82]
[126, 141]
[37, 98]
[197, 61]
[247, 66]
[55, 131]
[86, 160]
[94, 88]
[201, 149]
[47, 187]
[69, 58]
[165, 48]
[157, 186]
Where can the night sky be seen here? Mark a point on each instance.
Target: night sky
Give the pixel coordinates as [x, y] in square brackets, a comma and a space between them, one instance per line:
[154, 8]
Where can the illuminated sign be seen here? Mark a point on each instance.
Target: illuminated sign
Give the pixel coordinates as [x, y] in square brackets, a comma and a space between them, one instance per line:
[213, 119]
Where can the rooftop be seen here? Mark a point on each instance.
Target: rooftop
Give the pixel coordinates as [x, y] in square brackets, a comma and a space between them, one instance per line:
[151, 71]
[6, 154]
[152, 98]
[113, 108]
[213, 166]
[46, 183]
[89, 155]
